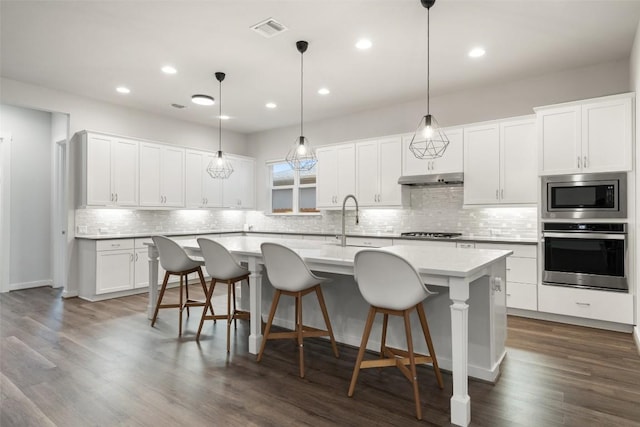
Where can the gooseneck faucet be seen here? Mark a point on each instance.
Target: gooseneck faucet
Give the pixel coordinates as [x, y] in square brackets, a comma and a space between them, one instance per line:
[343, 236]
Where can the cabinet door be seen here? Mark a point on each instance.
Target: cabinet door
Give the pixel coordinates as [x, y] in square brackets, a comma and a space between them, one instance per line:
[124, 172]
[327, 169]
[99, 171]
[560, 140]
[141, 268]
[346, 175]
[482, 164]
[606, 136]
[238, 189]
[389, 170]
[172, 176]
[452, 159]
[519, 178]
[194, 179]
[150, 180]
[411, 165]
[367, 173]
[211, 187]
[114, 271]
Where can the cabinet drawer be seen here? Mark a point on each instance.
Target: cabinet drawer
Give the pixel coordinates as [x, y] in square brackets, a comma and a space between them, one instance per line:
[522, 251]
[112, 245]
[522, 295]
[522, 270]
[590, 304]
[425, 243]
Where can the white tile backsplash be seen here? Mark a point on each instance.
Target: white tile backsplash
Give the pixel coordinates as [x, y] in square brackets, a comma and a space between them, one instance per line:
[432, 209]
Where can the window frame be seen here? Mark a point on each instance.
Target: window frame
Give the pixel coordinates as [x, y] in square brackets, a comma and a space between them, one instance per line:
[295, 188]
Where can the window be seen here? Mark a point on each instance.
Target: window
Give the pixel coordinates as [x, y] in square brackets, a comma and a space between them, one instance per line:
[292, 192]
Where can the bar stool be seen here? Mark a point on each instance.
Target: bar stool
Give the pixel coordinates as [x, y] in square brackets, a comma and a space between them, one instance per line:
[176, 262]
[392, 286]
[289, 275]
[222, 267]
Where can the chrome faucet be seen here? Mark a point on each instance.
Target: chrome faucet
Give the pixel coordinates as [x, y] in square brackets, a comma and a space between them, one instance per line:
[343, 236]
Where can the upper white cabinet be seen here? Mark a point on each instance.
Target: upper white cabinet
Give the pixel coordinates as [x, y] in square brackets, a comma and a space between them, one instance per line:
[378, 167]
[238, 191]
[499, 163]
[110, 170]
[161, 175]
[589, 136]
[450, 162]
[201, 191]
[336, 175]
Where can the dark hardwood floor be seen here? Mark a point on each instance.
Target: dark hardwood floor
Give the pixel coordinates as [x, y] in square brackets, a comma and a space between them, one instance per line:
[75, 363]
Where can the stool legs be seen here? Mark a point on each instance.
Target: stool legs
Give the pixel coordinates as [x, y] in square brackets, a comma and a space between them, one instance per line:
[162, 289]
[363, 347]
[267, 329]
[427, 338]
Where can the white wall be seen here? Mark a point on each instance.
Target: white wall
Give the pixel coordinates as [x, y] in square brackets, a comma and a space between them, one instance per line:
[505, 100]
[634, 78]
[30, 246]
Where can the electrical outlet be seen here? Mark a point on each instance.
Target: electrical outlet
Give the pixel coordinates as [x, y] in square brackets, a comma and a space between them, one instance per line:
[82, 229]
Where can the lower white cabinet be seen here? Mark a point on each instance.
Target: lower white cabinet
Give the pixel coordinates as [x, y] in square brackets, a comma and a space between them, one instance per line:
[522, 274]
[586, 303]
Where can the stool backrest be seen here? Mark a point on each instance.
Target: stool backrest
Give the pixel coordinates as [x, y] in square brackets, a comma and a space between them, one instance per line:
[172, 257]
[218, 260]
[286, 270]
[387, 280]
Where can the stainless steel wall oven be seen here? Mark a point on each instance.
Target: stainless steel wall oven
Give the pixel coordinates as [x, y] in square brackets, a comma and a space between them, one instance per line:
[592, 255]
[584, 196]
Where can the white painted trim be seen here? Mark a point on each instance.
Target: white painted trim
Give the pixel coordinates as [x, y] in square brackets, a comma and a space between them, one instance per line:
[29, 285]
[60, 213]
[636, 337]
[570, 320]
[5, 210]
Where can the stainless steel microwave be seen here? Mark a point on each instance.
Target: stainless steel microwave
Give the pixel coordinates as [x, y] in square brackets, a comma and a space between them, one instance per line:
[584, 196]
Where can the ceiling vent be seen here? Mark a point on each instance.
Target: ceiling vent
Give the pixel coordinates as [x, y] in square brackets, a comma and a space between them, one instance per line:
[178, 106]
[269, 28]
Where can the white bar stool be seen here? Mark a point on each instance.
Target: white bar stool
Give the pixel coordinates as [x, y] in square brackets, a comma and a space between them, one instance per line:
[392, 286]
[289, 274]
[222, 268]
[176, 262]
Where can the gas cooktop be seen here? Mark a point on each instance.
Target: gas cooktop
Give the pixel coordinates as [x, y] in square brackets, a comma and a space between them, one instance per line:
[431, 234]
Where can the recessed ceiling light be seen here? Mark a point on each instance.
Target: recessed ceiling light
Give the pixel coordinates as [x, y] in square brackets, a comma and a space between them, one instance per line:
[476, 52]
[271, 105]
[122, 89]
[168, 69]
[202, 99]
[363, 44]
[324, 91]
[224, 117]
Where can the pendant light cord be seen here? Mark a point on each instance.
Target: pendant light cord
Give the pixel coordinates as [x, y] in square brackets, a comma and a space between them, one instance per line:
[301, 92]
[220, 118]
[428, 26]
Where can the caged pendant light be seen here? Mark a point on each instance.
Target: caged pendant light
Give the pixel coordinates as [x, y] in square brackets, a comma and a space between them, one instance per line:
[220, 167]
[301, 156]
[429, 140]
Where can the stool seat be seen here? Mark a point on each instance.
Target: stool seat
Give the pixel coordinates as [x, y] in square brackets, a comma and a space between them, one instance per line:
[392, 286]
[289, 275]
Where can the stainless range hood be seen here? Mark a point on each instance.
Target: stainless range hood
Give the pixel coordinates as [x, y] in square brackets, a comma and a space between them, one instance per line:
[441, 179]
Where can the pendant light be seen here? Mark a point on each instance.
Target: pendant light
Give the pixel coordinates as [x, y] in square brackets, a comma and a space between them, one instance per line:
[220, 167]
[301, 156]
[429, 140]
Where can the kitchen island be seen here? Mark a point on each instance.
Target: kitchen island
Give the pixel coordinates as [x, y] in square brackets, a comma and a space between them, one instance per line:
[466, 276]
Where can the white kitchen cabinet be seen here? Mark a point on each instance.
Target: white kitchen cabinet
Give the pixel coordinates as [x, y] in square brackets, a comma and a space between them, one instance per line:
[499, 163]
[593, 135]
[109, 170]
[586, 303]
[141, 268]
[522, 274]
[450, 162]
[378, 167]
[238, 191]
[336, 176]
[201, 191]
[114, 265]
[162, 175]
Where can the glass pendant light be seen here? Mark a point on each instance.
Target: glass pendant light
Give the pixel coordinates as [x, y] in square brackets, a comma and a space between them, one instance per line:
[301, 156]
[220, 167]
[429, 140]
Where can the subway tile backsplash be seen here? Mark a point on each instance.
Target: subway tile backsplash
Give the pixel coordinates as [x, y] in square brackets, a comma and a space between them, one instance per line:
[432, 209]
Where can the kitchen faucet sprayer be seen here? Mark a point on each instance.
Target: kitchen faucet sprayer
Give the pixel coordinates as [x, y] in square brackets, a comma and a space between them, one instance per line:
[343, 236]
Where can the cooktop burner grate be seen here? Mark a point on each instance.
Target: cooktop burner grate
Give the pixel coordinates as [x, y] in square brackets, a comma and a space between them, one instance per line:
[436, 234]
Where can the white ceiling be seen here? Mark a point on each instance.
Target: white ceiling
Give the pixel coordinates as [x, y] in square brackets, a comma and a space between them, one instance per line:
[90, 47]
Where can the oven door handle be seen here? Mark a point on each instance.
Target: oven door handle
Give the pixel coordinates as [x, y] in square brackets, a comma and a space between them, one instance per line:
[605, 236]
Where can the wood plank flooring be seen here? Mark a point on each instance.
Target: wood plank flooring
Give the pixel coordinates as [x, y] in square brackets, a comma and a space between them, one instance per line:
[75, 363]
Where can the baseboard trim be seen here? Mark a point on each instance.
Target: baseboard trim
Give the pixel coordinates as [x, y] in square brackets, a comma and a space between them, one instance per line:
[636, 337]
[578, 321]
[29, 285]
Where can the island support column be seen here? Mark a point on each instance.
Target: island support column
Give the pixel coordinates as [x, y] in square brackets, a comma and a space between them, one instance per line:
[460, 401]
[255, 305]
[153, 280]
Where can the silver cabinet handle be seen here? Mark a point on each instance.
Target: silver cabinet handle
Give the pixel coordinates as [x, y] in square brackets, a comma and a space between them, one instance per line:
[115, 245]
[116, 197]
[502, 193]
[136, 256]
[578, 162]
[583, 304]
[497, 198]
[112, 197]
[584, 162]
[131, 257]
